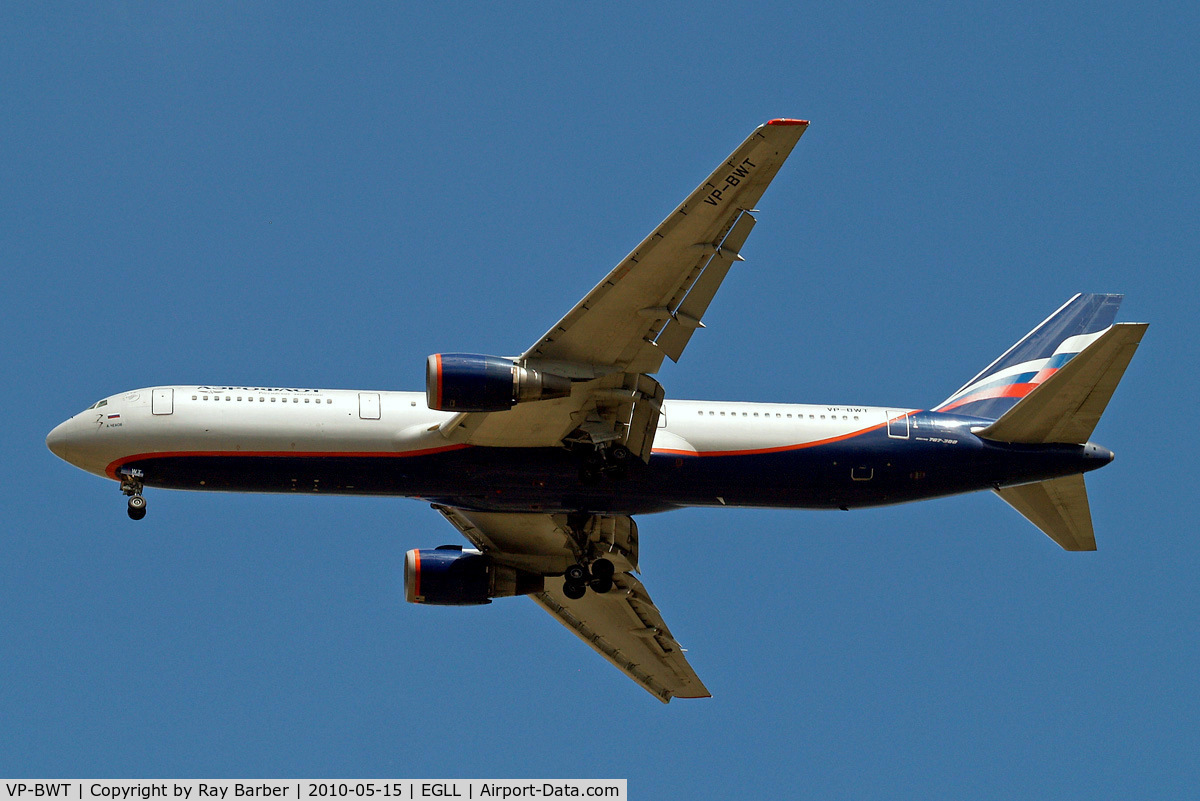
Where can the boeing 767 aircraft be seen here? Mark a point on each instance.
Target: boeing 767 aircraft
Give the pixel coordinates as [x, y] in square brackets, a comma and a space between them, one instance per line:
[541, 460]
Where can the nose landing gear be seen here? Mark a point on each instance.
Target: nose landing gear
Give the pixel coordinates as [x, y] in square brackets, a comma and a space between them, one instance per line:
[137, 507]
[131, 485]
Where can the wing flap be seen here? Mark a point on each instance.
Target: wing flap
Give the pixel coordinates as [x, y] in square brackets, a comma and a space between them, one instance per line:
[626, 628]
[688, 314]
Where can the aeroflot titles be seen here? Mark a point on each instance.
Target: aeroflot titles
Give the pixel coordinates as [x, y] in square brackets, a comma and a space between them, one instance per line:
[253, 389]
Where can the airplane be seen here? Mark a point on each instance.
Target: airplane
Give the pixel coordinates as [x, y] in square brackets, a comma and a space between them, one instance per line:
[542, 460]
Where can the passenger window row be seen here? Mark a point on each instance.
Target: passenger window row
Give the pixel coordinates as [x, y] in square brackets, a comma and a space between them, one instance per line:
[261, 398]
[778, 415]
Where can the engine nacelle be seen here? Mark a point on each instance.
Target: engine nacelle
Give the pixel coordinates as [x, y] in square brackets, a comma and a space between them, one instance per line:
[454, 576]
[469, 382]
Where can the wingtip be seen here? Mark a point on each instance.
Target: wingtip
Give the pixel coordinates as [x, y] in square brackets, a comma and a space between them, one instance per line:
[784, 121]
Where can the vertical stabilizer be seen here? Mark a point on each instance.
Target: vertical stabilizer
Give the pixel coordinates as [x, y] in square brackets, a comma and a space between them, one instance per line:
[1066, 406]
[1038, 355]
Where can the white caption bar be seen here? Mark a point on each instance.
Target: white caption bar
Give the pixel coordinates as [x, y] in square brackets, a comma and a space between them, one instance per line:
[297, 789]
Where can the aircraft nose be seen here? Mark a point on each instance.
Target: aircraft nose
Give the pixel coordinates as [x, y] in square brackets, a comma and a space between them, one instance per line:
[59, 441]
[69, 441]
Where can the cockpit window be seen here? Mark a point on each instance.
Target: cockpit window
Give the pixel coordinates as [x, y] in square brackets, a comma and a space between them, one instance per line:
[97, 405]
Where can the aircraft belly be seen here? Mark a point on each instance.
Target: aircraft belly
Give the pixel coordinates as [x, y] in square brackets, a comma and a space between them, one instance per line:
[867, 470]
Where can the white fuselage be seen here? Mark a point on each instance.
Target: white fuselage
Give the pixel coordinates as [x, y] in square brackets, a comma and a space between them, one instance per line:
[207, 420]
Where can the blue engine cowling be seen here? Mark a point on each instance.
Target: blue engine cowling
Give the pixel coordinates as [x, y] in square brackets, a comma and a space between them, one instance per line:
[470, 382]
[454, 576]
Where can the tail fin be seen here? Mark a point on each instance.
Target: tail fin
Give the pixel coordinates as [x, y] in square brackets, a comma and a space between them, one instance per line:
[1066, 405]
[1059, 507]
[1052, 387]
[1035, 357]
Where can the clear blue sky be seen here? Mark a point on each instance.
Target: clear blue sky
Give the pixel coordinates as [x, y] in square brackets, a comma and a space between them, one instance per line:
[308, 195]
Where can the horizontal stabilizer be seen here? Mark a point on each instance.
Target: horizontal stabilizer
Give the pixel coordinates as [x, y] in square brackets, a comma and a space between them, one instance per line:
[1059, 507]
[1066, 406]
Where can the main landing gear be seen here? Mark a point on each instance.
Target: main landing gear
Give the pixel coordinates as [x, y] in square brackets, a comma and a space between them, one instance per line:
[131, 485]
[612, 462]
[577, 578]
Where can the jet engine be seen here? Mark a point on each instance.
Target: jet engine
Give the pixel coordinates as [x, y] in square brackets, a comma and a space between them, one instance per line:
[469, 382]
[456, 576]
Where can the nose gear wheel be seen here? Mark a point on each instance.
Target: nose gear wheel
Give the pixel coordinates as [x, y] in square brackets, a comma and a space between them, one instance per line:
[131, 485]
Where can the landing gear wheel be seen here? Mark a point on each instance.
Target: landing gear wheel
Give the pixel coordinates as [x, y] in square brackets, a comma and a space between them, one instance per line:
[619, 453]
[602, 569]
[137, 507]
[575, 574]
[601, 585]
[573, 591]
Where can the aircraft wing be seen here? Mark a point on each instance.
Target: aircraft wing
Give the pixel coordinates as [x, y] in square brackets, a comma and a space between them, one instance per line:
[615, 324]
[623, 625]
[645, 309]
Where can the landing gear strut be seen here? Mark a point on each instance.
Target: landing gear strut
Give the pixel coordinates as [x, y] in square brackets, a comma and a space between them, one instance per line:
[612, 461]
[131, 485]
